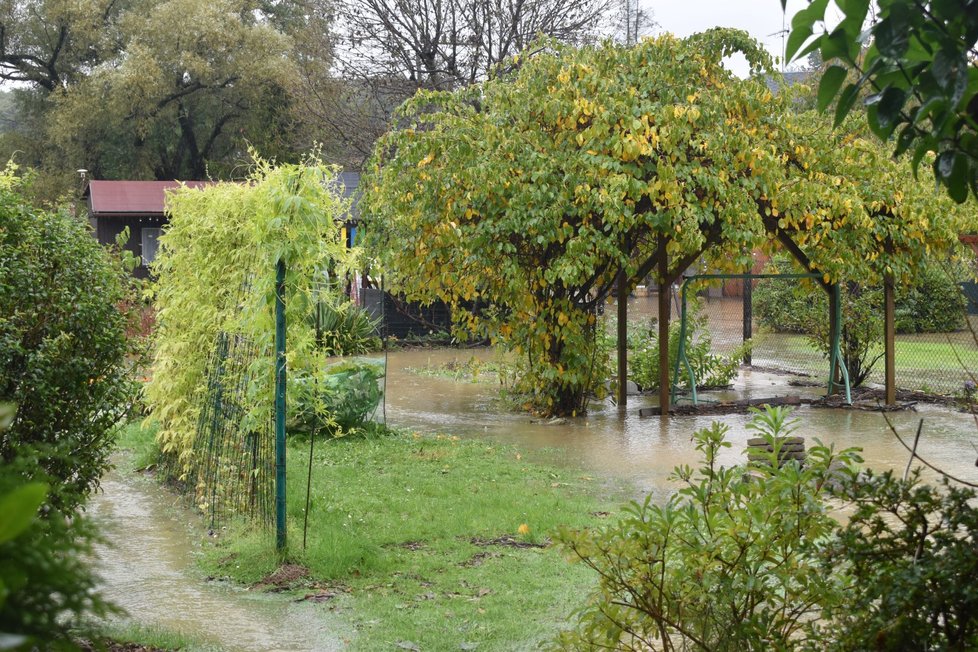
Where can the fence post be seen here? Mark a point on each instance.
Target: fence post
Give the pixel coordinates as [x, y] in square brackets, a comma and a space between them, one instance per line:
[664, 384]
[889, 326]
[748, 315]
[280, 538]
[622, 339]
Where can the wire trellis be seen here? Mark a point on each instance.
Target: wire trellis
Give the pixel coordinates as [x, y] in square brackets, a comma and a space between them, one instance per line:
[232, 470]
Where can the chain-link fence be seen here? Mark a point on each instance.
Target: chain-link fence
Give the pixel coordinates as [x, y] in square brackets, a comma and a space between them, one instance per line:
[936, 347]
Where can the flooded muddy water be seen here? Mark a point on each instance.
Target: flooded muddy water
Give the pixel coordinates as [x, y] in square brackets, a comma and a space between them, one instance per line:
[148, 570]
[643, 450]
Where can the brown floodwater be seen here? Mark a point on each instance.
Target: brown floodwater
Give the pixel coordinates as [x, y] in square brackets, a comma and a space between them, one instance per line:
[642, 451]
[149, 571]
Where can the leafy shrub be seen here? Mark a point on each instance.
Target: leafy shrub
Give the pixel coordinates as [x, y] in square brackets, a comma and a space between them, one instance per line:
[217, 271]
[786, 305]
[340, 399]
[346, 328]
[909, 551]
[710, 370]
[730, 562]
[47, 590]
[802, 307]
[62, 347]
[861, 341]
[352, 392]
[934, 303]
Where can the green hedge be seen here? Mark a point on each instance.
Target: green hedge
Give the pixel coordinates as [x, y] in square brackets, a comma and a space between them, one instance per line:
[63, 347]
[933, 304]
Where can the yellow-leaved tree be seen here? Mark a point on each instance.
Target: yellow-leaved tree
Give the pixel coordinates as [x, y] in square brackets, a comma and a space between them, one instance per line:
[534, 191]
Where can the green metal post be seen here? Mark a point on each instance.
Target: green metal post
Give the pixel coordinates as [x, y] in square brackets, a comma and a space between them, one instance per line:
[835, 358]
[280, 539]
[681, 357]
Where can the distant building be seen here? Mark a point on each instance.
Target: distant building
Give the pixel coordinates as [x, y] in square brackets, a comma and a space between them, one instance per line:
[115, 205]
[139, 205]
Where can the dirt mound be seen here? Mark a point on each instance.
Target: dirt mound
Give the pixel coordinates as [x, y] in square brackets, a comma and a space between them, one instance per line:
[284, 577]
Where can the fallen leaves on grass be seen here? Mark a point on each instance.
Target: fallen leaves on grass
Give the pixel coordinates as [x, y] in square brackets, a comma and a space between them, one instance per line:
[477, 559]
[321, 596]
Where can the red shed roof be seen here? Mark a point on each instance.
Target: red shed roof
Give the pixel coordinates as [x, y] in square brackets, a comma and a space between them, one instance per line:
[132, 197]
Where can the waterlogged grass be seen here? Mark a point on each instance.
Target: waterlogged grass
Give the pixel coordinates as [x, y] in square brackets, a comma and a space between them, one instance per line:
[130, 636]
[140, 445]
[429, 541]
[472, 369]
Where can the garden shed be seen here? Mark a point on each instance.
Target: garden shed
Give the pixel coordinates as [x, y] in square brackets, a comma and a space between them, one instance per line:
[139, 205]
[115, 205]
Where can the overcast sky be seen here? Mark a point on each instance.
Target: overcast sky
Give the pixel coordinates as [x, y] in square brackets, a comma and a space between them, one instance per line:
[762, 19]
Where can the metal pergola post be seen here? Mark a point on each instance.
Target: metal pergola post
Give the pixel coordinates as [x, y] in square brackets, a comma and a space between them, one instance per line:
[835, 355]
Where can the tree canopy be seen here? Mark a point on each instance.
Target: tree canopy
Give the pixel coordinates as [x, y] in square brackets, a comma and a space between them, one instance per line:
[194, 80]
[536, 191]
[171, 88]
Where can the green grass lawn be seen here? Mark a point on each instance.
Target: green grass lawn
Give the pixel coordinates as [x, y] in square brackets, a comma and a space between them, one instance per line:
[130, 637]
[428, 541]
[932, 362]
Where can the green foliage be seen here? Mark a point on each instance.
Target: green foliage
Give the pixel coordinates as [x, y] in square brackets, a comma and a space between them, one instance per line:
[352, 392]
[730, 562]
[216, 270]
[711, 370]
[191, 81]
[932, 303]
[46, 587]
[909, 551]
[537, 191]
[338, 399]
[63, 349]
[920, 66]
[787, 305]
[19, 507]
[861, 340]
[345, 328]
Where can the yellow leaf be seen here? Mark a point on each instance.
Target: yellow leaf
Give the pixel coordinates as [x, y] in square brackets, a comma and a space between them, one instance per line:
[523, 529]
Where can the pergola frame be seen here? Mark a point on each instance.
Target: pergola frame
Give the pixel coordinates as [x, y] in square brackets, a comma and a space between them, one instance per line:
[668, 274]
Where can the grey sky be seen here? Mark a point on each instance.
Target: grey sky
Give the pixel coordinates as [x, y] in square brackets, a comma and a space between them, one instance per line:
[762, 19]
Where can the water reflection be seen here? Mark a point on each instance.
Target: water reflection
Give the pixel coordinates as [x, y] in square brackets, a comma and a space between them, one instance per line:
[644, 450]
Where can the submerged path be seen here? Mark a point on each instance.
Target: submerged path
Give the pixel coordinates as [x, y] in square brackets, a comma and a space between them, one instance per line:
[148, 570]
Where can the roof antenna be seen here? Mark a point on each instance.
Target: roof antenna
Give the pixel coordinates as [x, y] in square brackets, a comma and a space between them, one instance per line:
[782, 33]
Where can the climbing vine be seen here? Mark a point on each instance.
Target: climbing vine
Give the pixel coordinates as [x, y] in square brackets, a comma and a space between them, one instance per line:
[216, 270]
